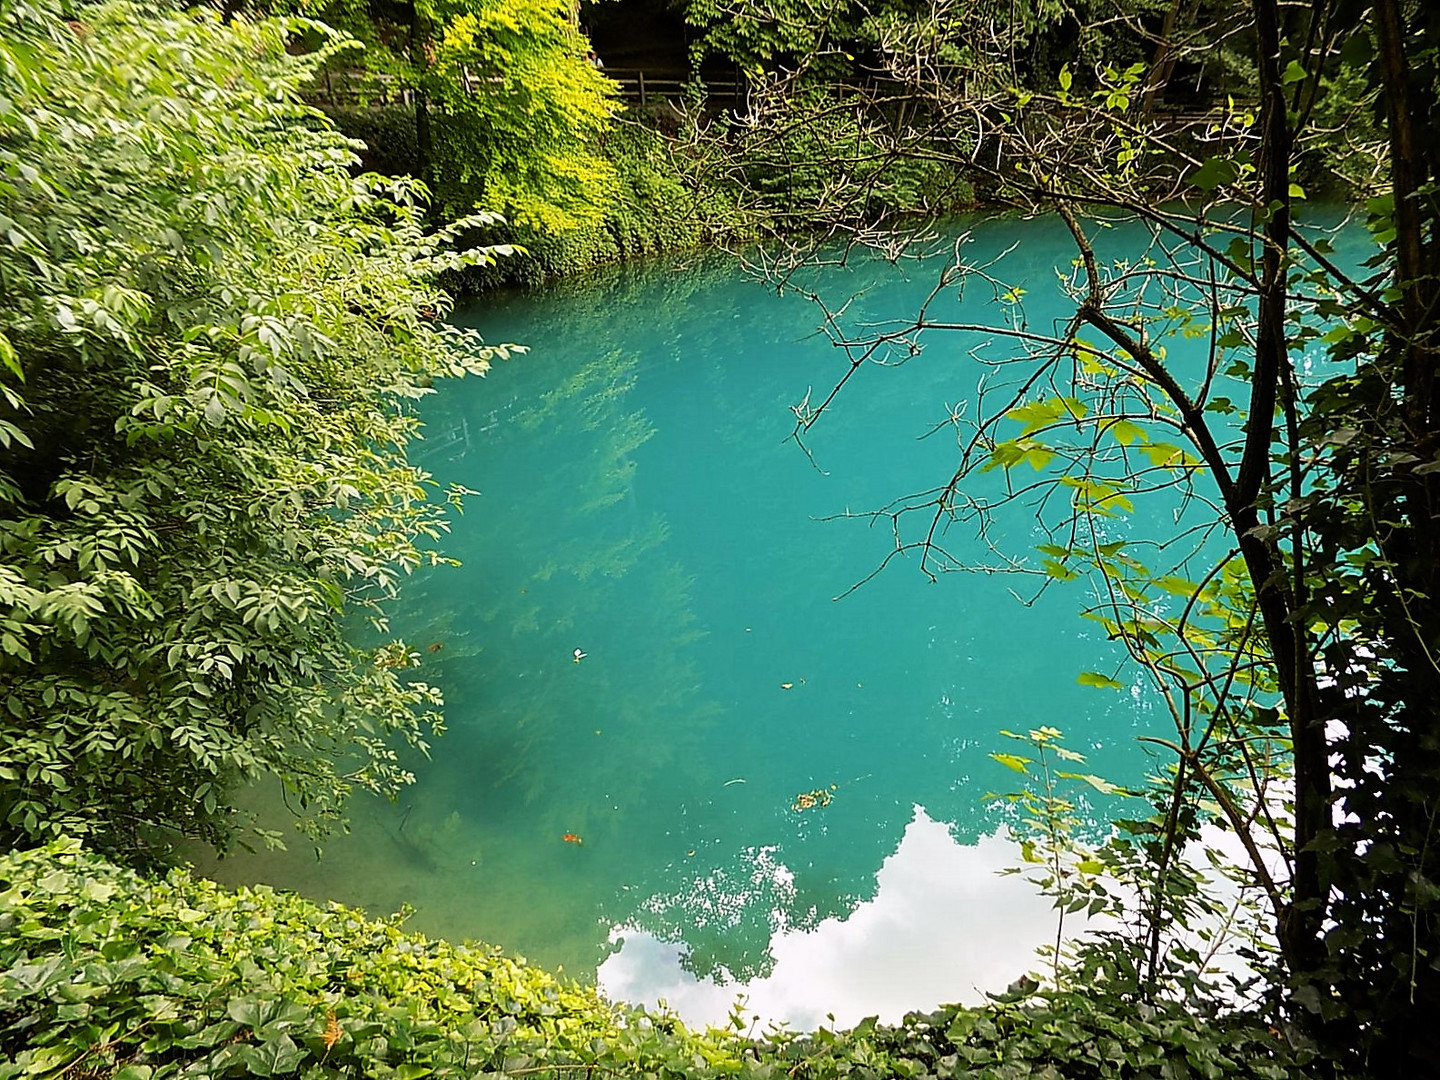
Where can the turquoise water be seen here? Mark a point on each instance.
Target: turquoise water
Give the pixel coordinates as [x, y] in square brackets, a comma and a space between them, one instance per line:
[640, 501]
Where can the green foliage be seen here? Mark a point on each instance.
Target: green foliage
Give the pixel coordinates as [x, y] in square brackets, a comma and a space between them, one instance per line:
[758, 36]
[212, 332]
[1045, 820]
[509, 114]
[106, 973]
[842, 42]
[113, 976]
[1075, 1035]
[388, 132]
[1178, 919]
[807, 158]
[651, 210]
[654, 210]
[519, 113]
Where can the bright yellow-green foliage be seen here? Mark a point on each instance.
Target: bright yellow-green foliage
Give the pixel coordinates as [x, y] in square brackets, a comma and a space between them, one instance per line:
[511, 115]
[522, 112]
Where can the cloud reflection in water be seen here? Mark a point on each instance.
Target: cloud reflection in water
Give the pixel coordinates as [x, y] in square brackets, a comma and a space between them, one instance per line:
[943, 927]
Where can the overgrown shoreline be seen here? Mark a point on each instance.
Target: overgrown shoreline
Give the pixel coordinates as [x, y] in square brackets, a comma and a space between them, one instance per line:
[108, 973]
[672, 194]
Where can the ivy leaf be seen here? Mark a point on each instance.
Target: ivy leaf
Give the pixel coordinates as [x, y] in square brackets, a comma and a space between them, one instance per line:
[276, 1057]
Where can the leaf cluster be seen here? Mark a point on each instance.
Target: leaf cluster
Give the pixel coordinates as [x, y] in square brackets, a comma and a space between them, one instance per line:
[509, 111]
[652, 210]
[212, 333]
[110, 975]
[104, 973]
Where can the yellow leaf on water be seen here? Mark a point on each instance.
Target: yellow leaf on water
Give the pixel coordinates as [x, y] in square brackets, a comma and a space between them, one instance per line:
[787, 685]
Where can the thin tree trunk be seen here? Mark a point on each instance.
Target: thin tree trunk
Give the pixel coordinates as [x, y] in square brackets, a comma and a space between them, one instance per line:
[1300, 932]
[1405, 172]
[424, 138]
[1162, 64]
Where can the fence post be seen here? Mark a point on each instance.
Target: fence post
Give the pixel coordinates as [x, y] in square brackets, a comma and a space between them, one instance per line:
[642, 87]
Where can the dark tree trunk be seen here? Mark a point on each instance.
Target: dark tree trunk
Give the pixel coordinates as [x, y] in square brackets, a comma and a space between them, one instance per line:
[1162, 63]
[424, 137]
[1300, 930]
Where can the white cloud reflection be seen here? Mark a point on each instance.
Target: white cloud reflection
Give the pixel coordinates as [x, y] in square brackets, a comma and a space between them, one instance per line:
[943, 927]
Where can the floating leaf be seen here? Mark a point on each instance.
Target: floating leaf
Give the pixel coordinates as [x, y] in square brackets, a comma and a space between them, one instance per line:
[809, 800]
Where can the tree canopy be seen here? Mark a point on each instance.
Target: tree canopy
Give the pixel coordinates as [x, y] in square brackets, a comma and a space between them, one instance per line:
[510, 113]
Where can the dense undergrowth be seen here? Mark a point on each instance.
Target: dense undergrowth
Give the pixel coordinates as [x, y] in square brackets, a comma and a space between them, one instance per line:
[105, 973]
[679, 190]
[652, 212]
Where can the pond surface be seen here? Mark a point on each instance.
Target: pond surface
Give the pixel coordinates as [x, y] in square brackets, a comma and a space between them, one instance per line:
[640, 502]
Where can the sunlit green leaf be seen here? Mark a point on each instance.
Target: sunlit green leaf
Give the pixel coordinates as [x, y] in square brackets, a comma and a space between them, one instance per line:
[1012, 761]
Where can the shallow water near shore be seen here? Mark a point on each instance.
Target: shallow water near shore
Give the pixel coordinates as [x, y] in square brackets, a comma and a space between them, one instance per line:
[685, 757]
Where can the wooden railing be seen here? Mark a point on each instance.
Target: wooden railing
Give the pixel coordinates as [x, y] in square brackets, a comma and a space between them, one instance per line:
[358, 88]
[642, 88]
[636, 87]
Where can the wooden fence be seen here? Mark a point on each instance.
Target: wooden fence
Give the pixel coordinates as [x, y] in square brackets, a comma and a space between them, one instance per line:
[636, 87]
[641, 88]
[358, 88]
